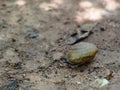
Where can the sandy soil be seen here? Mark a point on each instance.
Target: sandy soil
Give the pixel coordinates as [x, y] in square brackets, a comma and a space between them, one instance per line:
[33, 35]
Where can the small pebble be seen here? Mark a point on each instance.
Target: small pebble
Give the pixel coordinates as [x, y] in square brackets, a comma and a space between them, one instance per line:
[31, 32]
[32, 35]
[78, 82]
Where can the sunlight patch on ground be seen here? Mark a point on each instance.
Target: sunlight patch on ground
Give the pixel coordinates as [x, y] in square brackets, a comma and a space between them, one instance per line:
[20, 2]
[89, 12]
[53, 4]
[111, 4]
[85, 4]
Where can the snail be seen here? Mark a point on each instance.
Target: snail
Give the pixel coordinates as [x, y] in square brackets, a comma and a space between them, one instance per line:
[81, 53]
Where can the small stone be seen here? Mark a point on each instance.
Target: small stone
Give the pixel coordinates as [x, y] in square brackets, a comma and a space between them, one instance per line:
[31, 32]
[81, 53]
[98, 83]
[78, 82]
[49, 8]
[66, 76]
[32, 35]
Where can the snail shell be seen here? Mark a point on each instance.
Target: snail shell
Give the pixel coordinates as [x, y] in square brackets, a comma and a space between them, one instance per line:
[81, 53]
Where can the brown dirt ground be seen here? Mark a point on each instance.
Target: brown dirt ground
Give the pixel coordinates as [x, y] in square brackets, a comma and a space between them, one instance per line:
[25, 59]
